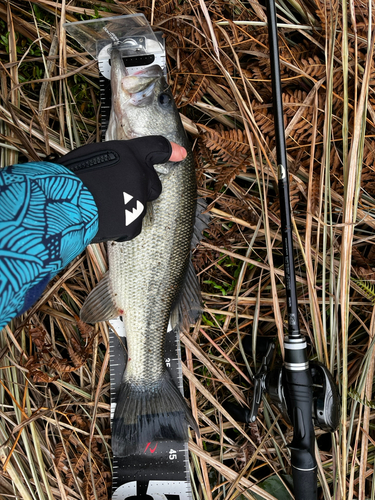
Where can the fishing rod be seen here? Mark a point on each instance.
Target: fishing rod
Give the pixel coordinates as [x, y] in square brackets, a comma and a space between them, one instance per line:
[297, 379]
[305, 392]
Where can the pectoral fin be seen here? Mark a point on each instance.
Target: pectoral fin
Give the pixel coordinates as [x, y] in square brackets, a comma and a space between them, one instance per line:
[100, 304]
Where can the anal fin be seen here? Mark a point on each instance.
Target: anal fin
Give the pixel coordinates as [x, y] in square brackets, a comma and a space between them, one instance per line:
[100, 304]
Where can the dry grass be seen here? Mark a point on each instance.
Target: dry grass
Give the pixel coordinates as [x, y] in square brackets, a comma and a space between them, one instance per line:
[54, 381]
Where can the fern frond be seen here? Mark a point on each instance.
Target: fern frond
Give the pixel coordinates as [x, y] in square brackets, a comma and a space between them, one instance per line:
[367, 287]
[228, 145]
[357, 397]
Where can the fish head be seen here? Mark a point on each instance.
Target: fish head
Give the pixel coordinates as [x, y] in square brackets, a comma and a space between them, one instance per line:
[142, 104]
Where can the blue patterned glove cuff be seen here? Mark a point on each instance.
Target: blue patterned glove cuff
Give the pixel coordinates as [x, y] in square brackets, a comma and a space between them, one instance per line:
[47, 218]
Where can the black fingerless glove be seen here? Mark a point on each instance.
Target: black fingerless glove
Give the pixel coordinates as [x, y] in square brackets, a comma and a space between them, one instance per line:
[121, 177]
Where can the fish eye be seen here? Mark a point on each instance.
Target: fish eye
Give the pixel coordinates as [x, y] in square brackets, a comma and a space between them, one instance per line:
[165, 99]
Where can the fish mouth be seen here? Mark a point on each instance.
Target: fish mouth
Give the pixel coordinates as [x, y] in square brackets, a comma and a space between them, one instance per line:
[144, 96]
[137, 81]
[141, 85]
[131, 93]
[153, 71]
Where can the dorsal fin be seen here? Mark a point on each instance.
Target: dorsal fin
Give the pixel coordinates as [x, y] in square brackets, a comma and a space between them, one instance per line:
[188, 307]
[202, 220]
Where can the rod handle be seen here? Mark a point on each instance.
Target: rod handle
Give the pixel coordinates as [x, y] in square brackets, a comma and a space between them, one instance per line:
[299, 400]
[305, 481]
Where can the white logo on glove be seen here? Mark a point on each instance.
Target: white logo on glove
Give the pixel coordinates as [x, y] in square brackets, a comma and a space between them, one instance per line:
[135, 213]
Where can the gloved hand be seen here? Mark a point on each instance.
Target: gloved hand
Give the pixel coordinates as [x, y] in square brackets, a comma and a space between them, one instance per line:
[121, 178]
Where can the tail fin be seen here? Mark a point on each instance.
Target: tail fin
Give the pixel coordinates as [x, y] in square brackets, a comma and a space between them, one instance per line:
[145, 415]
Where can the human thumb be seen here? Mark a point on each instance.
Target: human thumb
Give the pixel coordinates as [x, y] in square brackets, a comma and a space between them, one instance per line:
[178, 152]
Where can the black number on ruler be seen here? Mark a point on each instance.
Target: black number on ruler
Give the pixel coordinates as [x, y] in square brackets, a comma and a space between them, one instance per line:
[152, 490]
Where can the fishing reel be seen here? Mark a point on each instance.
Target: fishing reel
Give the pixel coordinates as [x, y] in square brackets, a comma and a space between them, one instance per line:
[326, 405]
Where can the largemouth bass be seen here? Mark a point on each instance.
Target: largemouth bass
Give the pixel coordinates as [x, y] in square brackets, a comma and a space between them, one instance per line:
[146, 275]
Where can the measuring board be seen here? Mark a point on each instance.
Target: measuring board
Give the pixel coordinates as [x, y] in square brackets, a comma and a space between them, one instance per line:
[161, 471]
